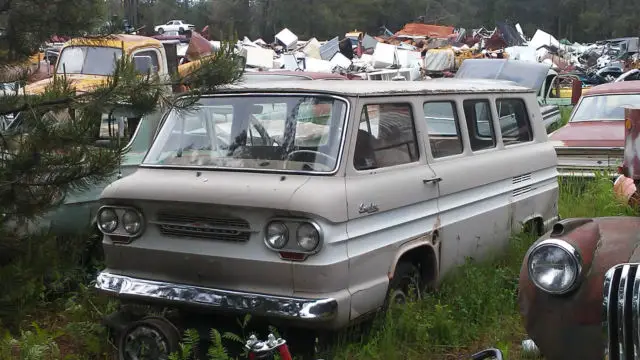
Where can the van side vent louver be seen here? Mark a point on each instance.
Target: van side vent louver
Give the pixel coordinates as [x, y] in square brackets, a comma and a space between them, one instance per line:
[522, 178]
[521, 191]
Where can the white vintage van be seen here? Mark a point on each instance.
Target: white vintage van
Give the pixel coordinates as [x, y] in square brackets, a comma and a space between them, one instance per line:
[314, 203]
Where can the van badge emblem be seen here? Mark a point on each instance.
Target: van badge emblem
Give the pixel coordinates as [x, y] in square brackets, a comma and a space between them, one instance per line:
[368, 208]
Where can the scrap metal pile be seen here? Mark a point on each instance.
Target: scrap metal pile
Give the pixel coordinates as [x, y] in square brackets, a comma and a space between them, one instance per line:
[421, 51]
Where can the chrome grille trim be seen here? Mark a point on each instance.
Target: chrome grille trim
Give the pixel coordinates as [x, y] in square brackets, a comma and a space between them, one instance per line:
[621, 306]
[215, 228]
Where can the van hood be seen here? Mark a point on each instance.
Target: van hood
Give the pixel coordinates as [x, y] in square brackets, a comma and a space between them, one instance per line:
[81, 82]
[322, 196]
[527, 74]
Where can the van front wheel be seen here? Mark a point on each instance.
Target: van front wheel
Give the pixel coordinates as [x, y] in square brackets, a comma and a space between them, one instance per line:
[406, 284]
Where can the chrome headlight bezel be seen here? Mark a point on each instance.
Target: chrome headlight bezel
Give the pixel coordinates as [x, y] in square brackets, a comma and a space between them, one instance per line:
[574, 259]
[101, 211]
[120, 230]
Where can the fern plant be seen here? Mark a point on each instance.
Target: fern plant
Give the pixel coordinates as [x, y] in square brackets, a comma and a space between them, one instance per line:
[36, 344]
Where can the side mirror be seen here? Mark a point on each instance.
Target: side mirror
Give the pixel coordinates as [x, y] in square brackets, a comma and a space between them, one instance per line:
[143, 64]
[576, 91]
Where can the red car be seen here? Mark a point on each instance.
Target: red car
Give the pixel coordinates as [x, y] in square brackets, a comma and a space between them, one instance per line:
[593, 139]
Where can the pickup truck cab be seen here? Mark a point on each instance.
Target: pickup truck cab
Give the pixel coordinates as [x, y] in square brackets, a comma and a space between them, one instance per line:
[89, 62]
[314, 204]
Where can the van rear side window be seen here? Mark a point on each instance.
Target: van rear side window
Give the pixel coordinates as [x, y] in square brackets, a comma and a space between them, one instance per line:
[514, 121]
[443, 127]
[480, 124]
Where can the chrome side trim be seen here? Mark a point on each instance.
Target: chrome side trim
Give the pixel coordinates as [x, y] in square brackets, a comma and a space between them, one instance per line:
[312, 310]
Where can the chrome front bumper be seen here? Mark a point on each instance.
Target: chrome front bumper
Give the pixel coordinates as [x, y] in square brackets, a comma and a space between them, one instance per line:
[308, 310]
[589, 174]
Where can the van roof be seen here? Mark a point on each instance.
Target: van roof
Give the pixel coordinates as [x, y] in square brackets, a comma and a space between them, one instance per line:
[376, 88]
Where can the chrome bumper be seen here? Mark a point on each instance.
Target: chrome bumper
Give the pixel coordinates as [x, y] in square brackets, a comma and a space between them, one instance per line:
[590, 174]
[314, 310]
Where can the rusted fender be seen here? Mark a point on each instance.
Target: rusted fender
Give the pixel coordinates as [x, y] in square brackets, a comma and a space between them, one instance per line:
[570, 326]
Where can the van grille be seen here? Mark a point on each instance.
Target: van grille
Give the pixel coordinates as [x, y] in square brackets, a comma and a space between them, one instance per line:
[621, 307]
[214, 228]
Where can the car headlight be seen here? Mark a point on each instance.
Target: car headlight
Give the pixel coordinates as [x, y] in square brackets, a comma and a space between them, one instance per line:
[554, 266]
[132, 222]
[277, 235]
[107, 220]
[308, 237]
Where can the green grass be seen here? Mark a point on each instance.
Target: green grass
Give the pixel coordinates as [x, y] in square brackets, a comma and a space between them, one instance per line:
[474, 308]
[565, 114]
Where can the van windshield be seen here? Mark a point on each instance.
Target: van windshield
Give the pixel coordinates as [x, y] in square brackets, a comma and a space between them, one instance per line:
[88, 60]
[300, 133]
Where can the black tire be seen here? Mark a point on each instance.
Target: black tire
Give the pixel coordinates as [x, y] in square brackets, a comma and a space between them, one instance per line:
[163, 331]
[181, 31]
[407, 284]
[160, 31]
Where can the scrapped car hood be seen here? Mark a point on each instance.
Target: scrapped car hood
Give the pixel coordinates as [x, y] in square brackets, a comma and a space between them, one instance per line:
[590, 134]
[322, 196]
[527, 74]
[82, 83]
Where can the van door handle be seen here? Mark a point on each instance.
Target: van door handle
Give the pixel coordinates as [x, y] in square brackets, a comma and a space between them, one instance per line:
[434, 180]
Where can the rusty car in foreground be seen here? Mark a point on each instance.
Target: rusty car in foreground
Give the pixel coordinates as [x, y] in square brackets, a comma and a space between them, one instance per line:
[570, 272]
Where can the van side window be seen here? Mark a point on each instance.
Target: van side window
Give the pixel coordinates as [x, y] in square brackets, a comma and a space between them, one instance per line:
[386, 137]
[443, 127]
[514, 121]
[480, 124]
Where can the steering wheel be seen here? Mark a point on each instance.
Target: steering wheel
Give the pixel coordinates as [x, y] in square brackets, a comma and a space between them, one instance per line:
[291, 154]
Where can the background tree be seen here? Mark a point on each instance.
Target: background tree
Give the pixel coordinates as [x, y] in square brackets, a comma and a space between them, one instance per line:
[54, 151]
[578, 20]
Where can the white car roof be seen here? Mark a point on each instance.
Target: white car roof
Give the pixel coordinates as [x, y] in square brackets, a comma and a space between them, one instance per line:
[377, 88]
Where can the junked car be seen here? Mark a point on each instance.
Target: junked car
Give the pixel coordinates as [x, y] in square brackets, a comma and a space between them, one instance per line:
[531, 75]
[593, 139]
[174, 25]
[314, 204]
[570, 273]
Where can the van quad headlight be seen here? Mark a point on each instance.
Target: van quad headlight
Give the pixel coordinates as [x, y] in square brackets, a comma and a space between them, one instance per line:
[107, 220]
[120, 221]
[308, 237]
[554, 266]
